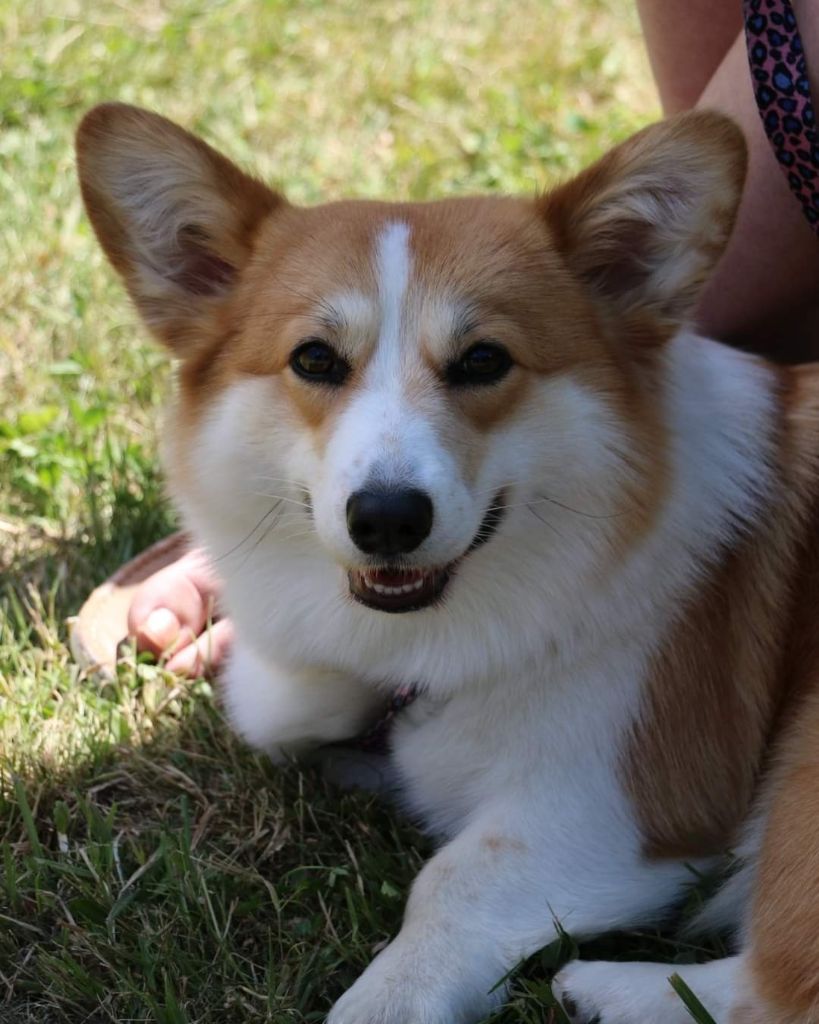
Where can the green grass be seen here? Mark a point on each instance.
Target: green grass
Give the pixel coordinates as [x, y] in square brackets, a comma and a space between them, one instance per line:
[152, 868]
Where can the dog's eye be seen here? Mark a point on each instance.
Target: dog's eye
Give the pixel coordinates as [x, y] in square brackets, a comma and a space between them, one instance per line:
[315, 360]
[484, 363]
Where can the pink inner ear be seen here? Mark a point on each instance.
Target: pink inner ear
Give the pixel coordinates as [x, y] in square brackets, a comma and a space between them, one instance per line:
[621, 268]
[201, 272]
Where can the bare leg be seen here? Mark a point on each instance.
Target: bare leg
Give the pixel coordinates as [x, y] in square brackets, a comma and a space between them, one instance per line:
[784, 927]
[686, 42]
[771, 267]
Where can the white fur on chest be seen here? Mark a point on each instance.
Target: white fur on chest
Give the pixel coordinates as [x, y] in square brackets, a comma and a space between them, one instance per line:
[538, 756]
[552, 737]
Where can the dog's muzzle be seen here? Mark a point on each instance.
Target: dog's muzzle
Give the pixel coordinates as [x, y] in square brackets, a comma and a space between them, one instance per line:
[396, 588]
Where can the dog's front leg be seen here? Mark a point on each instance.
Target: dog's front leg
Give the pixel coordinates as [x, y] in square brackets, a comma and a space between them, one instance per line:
[479, 906]
[288, 711]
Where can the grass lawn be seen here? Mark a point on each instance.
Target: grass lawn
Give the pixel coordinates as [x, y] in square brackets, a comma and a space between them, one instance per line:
[152, 868]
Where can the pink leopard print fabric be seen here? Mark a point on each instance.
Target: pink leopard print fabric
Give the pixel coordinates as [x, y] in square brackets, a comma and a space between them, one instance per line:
[782, 91]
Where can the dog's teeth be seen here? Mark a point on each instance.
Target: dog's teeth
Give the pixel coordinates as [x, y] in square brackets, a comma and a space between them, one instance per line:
[381, 588]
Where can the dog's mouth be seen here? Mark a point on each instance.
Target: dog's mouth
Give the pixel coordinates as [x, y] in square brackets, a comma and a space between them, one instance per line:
[396, 589]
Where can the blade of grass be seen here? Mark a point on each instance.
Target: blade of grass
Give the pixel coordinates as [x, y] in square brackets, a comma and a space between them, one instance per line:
[28, 818]
[692, 1003]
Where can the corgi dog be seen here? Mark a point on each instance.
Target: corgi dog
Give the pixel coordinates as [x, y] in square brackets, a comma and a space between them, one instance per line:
[476, 447]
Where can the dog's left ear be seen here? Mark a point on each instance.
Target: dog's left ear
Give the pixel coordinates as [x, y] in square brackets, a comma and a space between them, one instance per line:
[177, 219]
[646, 224]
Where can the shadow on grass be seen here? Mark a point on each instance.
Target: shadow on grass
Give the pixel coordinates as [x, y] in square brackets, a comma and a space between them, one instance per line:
[154, 868]
[176, 876]
[182, 878]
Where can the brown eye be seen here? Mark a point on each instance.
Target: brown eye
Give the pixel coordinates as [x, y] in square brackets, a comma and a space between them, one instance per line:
[484, 363]
[316, 361]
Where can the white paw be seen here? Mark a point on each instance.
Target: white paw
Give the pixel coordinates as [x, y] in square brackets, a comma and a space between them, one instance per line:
[386, 1003]
[401, 987]
[625, 993]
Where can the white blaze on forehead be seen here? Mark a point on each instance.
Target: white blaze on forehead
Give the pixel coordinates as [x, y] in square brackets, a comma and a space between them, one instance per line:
[383, 438]
[393, 265]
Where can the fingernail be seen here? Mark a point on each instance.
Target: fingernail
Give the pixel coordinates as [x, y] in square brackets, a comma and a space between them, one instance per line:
[161, 627]
[186, 662]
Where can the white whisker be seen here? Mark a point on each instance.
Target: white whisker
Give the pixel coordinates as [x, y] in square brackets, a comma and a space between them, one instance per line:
[279, 497]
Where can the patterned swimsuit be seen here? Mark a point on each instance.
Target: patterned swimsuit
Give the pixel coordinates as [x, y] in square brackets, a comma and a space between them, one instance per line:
[782, 90]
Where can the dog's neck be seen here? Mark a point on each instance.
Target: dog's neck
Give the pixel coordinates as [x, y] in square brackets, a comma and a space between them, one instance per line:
[721, 419]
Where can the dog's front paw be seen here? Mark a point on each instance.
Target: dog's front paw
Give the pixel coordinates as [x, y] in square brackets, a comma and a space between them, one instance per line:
[401, 987]
[382, 1002]
[386, 998]
[580, 1001]
[599, 992]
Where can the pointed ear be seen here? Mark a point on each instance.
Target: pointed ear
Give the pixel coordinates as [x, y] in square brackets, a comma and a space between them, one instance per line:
[646, 224]
[176, 219]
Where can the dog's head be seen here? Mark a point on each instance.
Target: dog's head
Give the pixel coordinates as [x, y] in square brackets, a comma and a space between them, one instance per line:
[390, 392]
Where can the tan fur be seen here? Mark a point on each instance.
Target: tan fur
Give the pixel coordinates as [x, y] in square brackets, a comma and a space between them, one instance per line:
[723, 675]
[501, 844]
[785, 916]
[784, 933]
[757, 1013]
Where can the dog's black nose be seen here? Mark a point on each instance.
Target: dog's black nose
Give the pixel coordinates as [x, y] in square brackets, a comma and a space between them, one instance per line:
[389, 523]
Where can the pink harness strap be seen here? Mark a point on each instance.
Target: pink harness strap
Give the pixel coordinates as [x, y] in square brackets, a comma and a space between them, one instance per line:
[376, 739]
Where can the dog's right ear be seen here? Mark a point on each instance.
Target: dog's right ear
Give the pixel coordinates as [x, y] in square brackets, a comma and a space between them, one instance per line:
[176, 219]
[643, 227]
